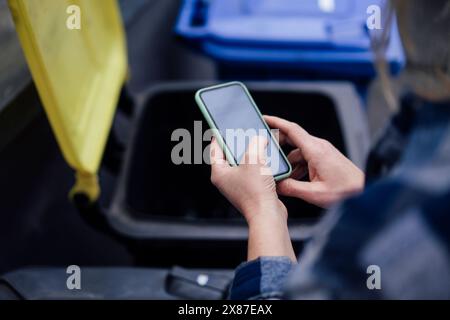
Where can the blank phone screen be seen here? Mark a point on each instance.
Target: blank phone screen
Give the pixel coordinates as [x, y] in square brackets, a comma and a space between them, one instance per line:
[238, 120]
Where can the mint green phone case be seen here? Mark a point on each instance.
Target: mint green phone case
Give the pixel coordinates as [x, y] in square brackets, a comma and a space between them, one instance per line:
[219, 137]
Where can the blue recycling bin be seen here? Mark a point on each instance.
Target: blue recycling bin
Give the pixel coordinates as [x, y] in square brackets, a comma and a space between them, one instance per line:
[254, 39]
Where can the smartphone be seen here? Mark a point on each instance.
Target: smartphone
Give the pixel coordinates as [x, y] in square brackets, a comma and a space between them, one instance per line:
[234, 117]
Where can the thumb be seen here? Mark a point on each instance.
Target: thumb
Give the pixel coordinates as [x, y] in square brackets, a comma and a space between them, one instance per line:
[217, 157]
[256, 151]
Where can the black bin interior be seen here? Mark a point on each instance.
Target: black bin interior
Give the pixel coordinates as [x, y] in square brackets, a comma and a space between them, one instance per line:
[157, 188]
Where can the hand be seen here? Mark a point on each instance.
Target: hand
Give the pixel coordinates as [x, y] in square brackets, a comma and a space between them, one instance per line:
[248, 186]
[332, 176]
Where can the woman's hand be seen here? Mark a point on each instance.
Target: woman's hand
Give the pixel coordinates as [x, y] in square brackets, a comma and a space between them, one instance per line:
[250, 187]
[332, 176]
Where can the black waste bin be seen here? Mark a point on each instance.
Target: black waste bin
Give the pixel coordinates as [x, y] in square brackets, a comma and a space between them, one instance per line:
[157, 201]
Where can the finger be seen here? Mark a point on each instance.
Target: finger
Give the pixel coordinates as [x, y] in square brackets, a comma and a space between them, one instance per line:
[218, 160]
[299, 172]
[286, 127]
[280, 137]
[256, 151]
[296, 157]
[278, 134]
[298, 189]
[296, 135]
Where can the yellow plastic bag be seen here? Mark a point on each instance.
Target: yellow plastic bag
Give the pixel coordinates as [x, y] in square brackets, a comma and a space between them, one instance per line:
[76, 52]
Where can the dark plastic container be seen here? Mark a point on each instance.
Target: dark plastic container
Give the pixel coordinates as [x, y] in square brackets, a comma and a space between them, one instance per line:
[158, 200]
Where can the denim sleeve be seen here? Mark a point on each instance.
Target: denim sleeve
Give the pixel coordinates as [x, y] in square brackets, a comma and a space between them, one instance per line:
[262, 278]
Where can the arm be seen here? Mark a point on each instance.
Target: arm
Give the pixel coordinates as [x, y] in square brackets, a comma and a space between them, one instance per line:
[253, 193]
[270, 254]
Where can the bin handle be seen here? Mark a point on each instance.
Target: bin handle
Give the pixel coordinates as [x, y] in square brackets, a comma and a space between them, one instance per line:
[192, 14]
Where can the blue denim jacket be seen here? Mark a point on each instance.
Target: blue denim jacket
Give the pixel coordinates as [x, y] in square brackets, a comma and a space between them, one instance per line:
[400, 224]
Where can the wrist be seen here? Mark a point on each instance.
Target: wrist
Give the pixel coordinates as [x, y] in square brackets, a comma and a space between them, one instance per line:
[269, 236]
[266, 214]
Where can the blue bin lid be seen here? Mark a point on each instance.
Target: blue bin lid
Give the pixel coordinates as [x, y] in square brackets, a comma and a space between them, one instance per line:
[284, 31]
[337, 23]
[289, 23]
